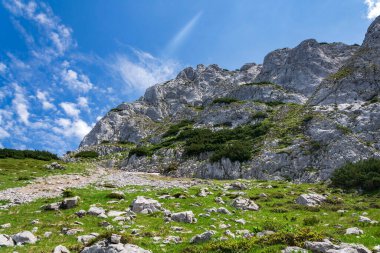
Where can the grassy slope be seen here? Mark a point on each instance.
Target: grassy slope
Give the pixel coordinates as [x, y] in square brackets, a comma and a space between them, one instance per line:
[278, 211]
[18, 172]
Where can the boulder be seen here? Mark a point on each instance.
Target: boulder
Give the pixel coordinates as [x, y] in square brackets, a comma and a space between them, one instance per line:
[95, 211]
[245, 204]
[311, 199]
[107, 246]
[87, 238]
[354, 231]
[294, 250]
[6, 241]
[223, 210]
[25, 237]
[328, 247]
[69, 203]
[187, 217]
[61, 249]
[206, 236]
[145, 205]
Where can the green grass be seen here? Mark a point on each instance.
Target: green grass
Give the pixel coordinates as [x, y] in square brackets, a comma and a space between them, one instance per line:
[18, 172]
[290, 226]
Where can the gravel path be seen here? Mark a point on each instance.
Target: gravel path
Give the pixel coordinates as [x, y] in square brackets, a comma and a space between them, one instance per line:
[52, 186]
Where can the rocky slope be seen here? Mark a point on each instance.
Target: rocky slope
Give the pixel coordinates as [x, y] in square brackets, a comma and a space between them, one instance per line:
[300, 115]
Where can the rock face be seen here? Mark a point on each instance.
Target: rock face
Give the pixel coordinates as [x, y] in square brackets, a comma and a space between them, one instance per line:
[321, 101]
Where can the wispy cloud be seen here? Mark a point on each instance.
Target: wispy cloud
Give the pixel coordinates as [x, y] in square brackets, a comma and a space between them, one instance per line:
[182, 34]
[20, 104]
[143, 70]
[373, 8]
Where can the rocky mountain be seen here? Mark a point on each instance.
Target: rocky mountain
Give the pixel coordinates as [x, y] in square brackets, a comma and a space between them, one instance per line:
[300, 115]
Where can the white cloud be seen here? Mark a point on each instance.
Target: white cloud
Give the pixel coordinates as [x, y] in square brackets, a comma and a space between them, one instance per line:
[3, 133]
[145, 72]
[57, 35]
[373, 8]
[75, 81]
[43, 97]
[82, 102]
[70, 109]
[76, 128]
[180, 37]
[3, 67]
[20, 104]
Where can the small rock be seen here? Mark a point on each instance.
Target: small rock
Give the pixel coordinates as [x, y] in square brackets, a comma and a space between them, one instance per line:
[241, 221]
[219, 200]
[294, 250]
[364, 219]
[47, 234]
[87, 238]
[69, 203]
[354, 231]
[206, 236]
[187, 217]
[245, 204]
[25, 237]
[81, 213]
[6, 241]
[204, 192]
[61, 249]
[311, 199]
[6, 225]
[223, 210]
[145, 205]
[95, 211]
[115, 238]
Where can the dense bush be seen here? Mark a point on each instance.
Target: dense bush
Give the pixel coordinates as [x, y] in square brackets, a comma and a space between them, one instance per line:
[86, 154]
[363, 175]
[235, 151]
[311, 221]
[174, 129]
[140, 151]
[22, 154]
[224, 100]
[291, 238]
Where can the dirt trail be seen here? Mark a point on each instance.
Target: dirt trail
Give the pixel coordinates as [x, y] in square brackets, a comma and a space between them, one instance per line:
[52, 186]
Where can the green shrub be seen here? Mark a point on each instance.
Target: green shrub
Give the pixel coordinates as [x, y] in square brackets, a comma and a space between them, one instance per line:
[260, 83]
[311, 221]
[259, 115]
[341, 73]
[23, 154]
[224, 100]
[274, 103]
[140, 151]
[174, 129]
[344, 129]
[272, 225]
[291, 238]
[363, 175]
[86, 154]
[68, 193]
[116, 110]
[235, 151]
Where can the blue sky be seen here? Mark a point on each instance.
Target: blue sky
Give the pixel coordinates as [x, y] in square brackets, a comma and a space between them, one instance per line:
[64, 64]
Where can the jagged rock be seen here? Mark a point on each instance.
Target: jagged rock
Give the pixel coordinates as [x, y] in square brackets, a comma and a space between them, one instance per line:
[245, 204]
[61, 249]
[223, 210]
[6, 241]
[145, 205]
[294, 250]
[206, 236]
[54, 166]
[354, 231]
[107, 247]
[364, 219]
[96, 211]
[70, 202]
[25, 237]
[52, 206]
[187, 217]
[115, 238]
[87, 238]
[219, 200]
[328, 247]
[311, 199]
[237, 186]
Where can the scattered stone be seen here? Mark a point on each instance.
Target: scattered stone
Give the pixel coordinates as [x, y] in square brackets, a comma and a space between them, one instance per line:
[52, 206]
[107, 246]
[223, 210]
[145, 205]
[172, 239]
[87, 238]
[354, 231]
[47, 234]
[241, 221]
[311, 199]
[25, 237]
[95, 211]
[264, 233]
[245, 204]
[81, 213]
[6, 241]
[54, 166]
[187, 217]
[6, 225]
[61, 249]
[294, 250]
[115, 238]
[364, 219]
[69, 203]
[204, 192]
[206, 236]
[115, 213]
[238, 186]
[328, 246]
[376, 249]
[219, 200]
[263, 195]
[229, 233]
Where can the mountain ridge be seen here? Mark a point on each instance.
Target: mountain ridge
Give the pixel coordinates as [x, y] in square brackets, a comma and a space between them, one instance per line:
[320, 102]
